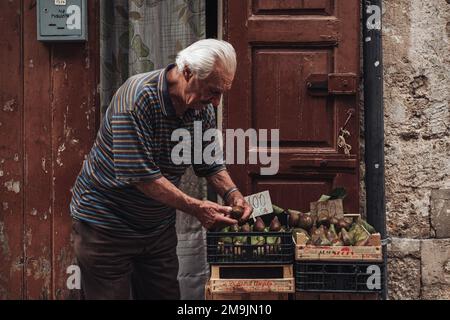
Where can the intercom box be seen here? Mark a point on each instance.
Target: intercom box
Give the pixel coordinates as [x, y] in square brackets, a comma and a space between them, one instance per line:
[61, 20]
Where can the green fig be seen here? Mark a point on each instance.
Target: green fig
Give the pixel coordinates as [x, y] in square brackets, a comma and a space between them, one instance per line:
[361, 235]
[323, 198]
[345, 237]
[234, 228]
[317, 236]
[245, 228]
[331, 234]
[366, 226]
[277, 210]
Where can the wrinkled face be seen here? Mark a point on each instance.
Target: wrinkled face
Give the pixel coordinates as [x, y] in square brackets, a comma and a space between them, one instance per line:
[199, 93]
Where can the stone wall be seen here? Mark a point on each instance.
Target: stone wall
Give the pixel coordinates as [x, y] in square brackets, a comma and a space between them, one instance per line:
[417, 146]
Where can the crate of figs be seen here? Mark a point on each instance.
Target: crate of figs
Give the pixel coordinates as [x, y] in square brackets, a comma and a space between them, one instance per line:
[325, 233]
[264, 240]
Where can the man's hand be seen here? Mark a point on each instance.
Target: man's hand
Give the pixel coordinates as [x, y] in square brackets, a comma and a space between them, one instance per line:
[237, 199]
[222, 182]
[211, 215]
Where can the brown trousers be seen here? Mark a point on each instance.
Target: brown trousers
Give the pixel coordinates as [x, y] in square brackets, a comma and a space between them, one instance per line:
[124, 268]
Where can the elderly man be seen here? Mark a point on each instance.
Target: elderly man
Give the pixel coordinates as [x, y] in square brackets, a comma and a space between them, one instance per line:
[125, 196]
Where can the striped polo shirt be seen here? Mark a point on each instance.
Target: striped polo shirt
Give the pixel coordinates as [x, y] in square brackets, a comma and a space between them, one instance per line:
[134, 145]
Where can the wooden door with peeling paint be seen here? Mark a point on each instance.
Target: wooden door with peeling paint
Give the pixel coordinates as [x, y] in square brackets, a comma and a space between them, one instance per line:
[298, 71]
[48, 121]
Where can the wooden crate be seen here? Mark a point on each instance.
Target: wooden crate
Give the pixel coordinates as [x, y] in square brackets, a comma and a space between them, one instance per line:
[252, 279]
[336, 296]
[305, 252]
[244, 296]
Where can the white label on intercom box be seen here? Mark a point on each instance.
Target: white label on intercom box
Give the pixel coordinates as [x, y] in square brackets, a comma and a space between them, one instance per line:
[261, 203]
[60, 2]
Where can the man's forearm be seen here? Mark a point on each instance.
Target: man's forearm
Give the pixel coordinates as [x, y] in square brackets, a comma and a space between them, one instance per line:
[221, 182]
[166, 192]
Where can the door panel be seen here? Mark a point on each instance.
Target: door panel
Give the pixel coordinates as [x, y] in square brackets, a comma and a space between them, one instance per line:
[278, 75]
[292, 7]
[298, 70]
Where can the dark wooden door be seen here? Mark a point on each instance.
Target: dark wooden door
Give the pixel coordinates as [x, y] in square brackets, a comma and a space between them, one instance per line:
[48, 122]
[298, 71]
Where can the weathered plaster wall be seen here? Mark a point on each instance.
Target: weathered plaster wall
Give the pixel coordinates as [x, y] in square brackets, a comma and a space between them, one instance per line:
[417, 146]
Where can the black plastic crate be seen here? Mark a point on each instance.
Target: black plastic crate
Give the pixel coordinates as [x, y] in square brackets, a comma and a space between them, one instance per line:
[350, 277]
[237, 247]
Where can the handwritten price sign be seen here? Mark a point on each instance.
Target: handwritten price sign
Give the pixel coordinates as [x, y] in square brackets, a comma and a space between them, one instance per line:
[261, 203]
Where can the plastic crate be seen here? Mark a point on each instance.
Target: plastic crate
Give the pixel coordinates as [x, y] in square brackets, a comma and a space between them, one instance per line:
[349, 277]
[237, 247]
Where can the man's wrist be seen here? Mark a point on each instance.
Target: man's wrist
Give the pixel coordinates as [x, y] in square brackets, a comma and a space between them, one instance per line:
[190, 205]
[234, 197]
[228, 194]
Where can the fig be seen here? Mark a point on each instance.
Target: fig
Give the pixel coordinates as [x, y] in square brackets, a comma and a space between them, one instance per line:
[234, 228]
[305, 221]
[366, 226]
[316, 237]
[361, 235]
[237, 212]
[345, 237]
[331, 234]
[275, 225]
[277, 210]
[334, 221]
[294, 216]
[245, 228]
[259, 225]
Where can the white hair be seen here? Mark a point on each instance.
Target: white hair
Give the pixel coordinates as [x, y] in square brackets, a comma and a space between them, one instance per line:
[201, 57]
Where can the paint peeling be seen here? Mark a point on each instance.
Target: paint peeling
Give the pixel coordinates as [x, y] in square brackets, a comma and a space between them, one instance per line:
[44, 168]
[17, 265]
[13, 186]
[88, 114]
[28, 237]
[5, 206]
[1, 173]
[61, 148]
[40, 269]
[4, 243]
[31, 63]
[16, 157]
[34, 212]
[9, 105]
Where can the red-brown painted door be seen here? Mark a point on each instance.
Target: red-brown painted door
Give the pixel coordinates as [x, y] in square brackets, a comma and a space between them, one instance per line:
[298, 71]
[48, 122]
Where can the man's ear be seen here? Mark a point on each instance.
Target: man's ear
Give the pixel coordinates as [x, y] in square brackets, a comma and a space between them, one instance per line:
[187, 74]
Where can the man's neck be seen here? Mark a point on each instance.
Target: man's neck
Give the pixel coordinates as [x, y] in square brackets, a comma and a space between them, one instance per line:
[175, 83]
